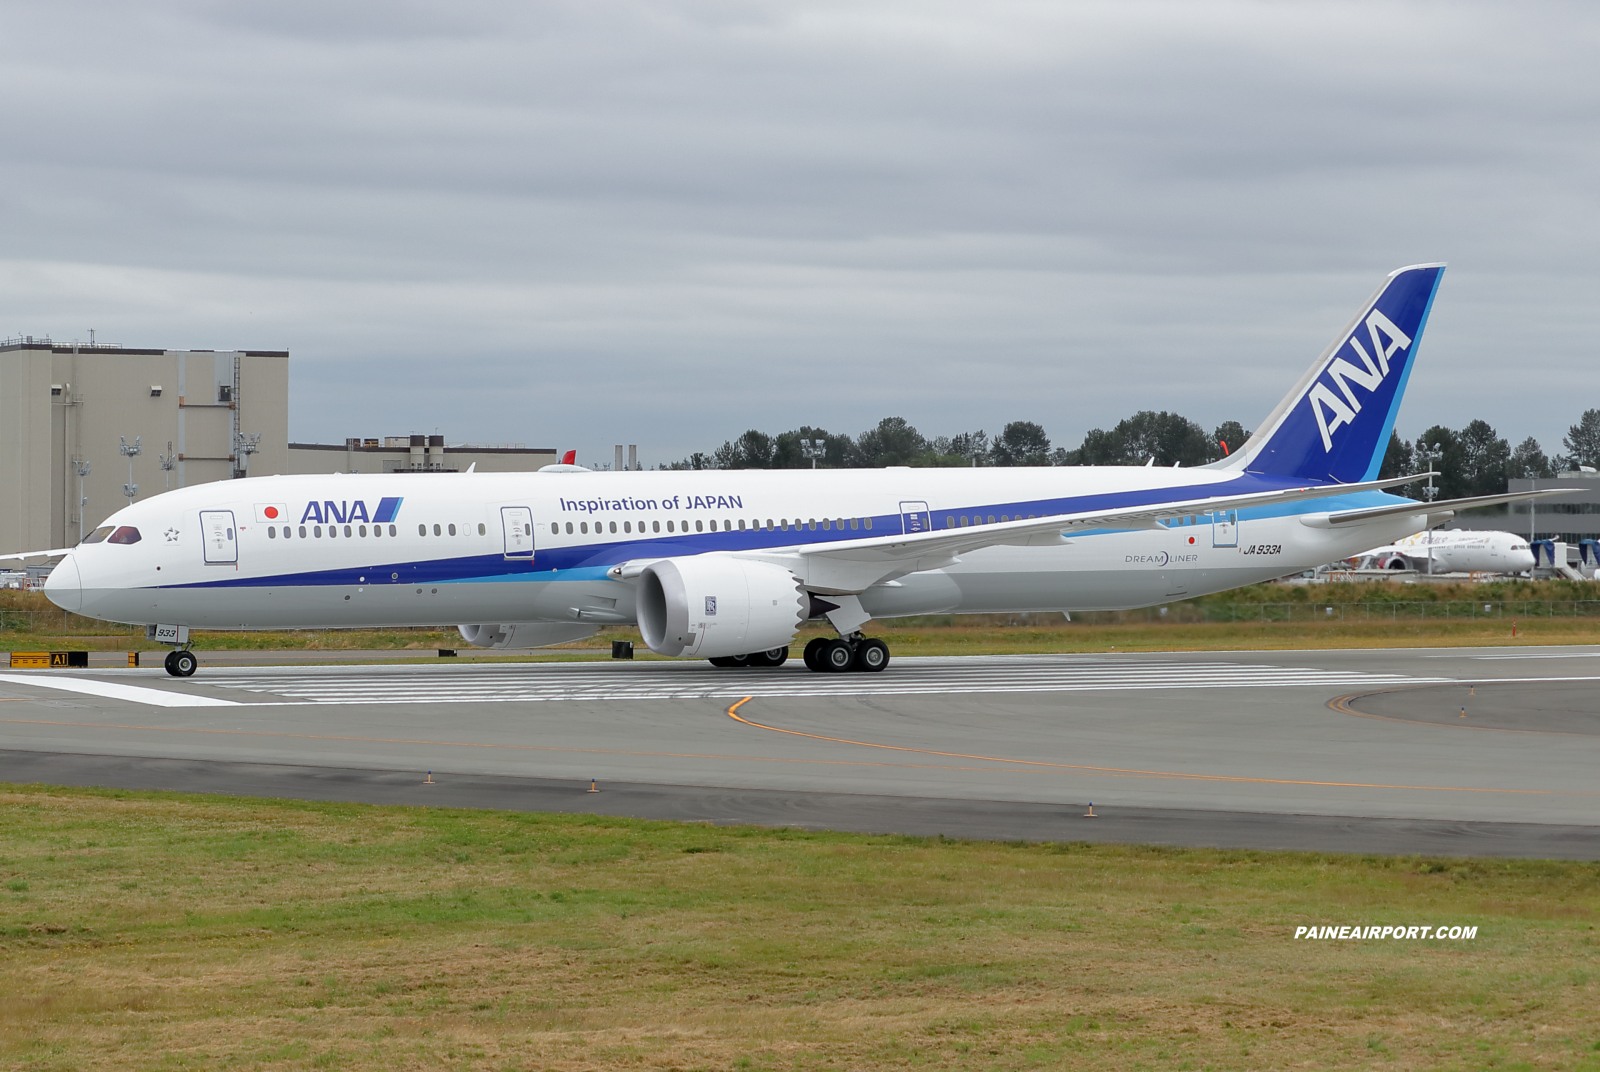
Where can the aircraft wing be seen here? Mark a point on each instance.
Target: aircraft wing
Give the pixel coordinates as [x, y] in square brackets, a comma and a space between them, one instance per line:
[951, 542]
[854, 565]
[55, 553]
[1443, 510]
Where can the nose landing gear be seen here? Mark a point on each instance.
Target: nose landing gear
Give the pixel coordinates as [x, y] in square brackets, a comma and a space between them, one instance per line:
[181, 663]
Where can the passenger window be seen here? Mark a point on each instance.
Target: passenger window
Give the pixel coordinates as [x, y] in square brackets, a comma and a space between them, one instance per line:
[627, 526]
[436, 531]
[1004, 518]
[827, 524]
[482, 531]
[302, 532]
[393, 531]
[363, 530]
[741, 524]
[669, 526]
[98, 534]
[569, 529]
[452, 530]
[584, 527]
[963, 520]
[272, 532]
[422, 530]
[347, 531]
[655, 526]
[991, 519]
[527, 530]
[316, 530]
[699, 526]
[613, 526]
[868, 522]
[855, 522]
[949, 522]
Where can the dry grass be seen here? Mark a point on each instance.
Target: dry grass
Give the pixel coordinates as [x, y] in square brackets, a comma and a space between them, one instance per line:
[972, 634]
[157, 931]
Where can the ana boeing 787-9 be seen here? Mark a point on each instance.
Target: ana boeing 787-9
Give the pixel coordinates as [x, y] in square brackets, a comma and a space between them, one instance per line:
[729, 564]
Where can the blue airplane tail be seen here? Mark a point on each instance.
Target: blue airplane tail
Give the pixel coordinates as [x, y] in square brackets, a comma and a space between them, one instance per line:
[1335, 424]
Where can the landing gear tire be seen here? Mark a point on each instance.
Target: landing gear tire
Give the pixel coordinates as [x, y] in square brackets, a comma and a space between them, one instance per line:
[770, 657]
[872, 656]
[837, 656]
[813, 653]
[182, 663]
[731, 660]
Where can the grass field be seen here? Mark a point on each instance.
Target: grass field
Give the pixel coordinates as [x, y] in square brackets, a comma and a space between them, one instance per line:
[145, 930]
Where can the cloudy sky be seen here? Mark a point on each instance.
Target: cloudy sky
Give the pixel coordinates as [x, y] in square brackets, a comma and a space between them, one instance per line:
[577, 224]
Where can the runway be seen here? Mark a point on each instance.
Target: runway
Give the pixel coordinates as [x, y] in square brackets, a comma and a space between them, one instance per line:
[1336, 750]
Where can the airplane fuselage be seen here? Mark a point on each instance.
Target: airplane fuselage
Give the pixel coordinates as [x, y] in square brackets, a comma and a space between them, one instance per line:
[346, 550]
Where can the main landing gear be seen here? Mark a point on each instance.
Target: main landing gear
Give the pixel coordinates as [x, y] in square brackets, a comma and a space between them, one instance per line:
[855, 652]
[182, 663]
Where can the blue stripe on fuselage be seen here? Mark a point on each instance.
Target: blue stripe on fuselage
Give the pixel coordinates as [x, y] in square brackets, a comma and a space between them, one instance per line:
[590, 561]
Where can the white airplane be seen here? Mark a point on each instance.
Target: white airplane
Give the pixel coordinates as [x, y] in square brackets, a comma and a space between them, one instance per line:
[1453, 551]
[727, 565]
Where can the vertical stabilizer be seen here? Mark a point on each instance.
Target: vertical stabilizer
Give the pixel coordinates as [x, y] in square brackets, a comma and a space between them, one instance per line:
[1335, 424]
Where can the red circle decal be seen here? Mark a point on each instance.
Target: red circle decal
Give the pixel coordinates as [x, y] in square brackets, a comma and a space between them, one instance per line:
[272, 512]
[1191, 538]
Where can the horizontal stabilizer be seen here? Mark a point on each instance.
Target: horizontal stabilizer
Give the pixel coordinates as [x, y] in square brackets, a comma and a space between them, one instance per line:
[1445, 507]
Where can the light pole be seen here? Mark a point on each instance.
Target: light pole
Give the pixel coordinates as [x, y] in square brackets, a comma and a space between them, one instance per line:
[1430, 455]
[169, 461]
[813, 449]
[129, 451]
[83, 500]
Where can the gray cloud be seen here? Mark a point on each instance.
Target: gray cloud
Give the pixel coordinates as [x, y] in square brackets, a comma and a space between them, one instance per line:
[574, 224]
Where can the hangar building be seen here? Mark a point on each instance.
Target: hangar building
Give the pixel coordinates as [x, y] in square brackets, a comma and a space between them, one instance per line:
[196, 416]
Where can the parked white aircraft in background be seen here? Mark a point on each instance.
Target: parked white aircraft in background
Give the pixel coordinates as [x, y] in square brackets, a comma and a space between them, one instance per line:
[1453, 551]
[727, 565]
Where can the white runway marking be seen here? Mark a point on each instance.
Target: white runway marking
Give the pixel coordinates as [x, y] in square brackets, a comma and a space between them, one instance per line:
[112, 691]
[485, 684]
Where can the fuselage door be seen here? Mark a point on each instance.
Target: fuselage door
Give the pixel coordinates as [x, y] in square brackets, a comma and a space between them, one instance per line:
[1225, 529]
[220, 538]
[517, 524]
[914, 517]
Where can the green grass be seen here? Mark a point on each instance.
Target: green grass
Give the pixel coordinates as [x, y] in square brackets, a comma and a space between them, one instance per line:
[163, 931]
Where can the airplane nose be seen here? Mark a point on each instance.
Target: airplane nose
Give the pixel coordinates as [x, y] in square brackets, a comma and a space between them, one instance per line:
[1521, 560]
[64, 587]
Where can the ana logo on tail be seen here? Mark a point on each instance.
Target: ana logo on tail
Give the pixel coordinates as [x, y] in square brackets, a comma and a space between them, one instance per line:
[1332, 411]
[1327, 407]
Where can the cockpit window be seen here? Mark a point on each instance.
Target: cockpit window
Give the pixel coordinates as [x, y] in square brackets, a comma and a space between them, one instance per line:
[126, 534]
[98, 534]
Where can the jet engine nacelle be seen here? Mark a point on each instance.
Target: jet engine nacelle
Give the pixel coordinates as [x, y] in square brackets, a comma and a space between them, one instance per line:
[526, 634]
[715, 605]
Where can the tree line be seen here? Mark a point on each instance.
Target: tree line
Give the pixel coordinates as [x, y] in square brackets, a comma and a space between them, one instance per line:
[1474, 460]
[1167, 437]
